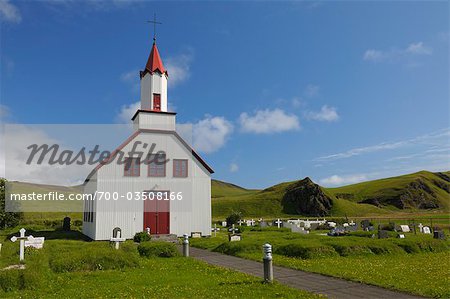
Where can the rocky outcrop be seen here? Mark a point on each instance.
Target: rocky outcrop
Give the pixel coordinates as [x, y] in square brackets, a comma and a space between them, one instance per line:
[417, 194]
[306, 198]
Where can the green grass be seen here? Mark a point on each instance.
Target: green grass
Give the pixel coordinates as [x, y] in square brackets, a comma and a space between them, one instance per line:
[418, 264]
[75, 268]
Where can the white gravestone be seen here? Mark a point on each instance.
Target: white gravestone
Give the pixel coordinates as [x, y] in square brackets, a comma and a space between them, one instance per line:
[117, 240]
[224, 223]
[278, 222]
[426, 230]
[22, 239]
[235, 238]
[404, 228]
[420, 226]
[332, 224]
[37, 243]
[250, 222]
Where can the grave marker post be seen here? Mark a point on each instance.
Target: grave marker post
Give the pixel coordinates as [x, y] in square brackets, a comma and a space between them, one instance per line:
[22, 239]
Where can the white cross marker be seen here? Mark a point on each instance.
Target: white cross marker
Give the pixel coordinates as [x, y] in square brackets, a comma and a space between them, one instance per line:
[278, 222]
[215, 229]
[22, 239]
[240, 222]
[117, 240]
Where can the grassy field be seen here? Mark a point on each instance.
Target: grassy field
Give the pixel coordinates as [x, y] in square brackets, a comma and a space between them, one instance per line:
[76, 268]
[418, 264]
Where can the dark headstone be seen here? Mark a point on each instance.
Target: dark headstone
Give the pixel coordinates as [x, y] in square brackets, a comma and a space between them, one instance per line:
[263, 224]
[66, 224]
[314, 226]
[365, 224]
[439, 234]
[115, 231]
[337, 231]
[371, 228]
[383, 234]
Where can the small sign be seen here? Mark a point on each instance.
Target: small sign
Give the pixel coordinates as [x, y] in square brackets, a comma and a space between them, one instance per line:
[196, 235]
[234, 238]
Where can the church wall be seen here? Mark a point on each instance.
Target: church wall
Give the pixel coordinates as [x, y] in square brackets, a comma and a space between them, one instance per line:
[191, 214]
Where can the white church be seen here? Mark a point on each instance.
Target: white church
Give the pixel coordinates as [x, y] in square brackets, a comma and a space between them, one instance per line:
[144, 194]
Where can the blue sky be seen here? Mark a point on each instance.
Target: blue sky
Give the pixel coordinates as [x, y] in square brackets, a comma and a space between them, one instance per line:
[338, 91]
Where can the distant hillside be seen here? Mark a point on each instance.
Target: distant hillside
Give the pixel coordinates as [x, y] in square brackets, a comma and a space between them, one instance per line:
[222, 189]
[419, 191]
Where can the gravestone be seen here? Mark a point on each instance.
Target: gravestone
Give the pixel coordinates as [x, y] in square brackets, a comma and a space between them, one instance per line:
[240, 222]
[215, 229]
[22, 239]
[383, 234]
[298, 229]
[345, 224]
[337, 231]
[279, 223]
[404, 228]
[439, 234]
[420, 226]
[66, 224]
[313, 226]
[371, 228]
[37, 243]
[426, 230]
[224, 223]
[196, 235]
[234, 238]
[263, 224]
[401, 236]
[331, 224]
[365, 224]
[250, 222]
[117, 239]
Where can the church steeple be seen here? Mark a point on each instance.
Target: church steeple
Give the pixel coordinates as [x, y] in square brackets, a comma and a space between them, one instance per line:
[154, 62]
[154, 83]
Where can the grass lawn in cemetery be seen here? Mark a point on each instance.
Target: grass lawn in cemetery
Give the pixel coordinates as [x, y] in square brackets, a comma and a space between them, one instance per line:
[67, 268]
[417, 264]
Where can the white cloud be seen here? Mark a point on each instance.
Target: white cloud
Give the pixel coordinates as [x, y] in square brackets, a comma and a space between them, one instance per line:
[418, 48]
[413, 49]
[9, 12]
[211, 133]
[268, 121]
[423, 139]
[126, 113]
[373, 55]
[179, 67]
[336, 180]
[326, 113]
[234, 167]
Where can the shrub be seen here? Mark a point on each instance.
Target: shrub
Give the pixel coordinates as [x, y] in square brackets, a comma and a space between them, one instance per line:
[349, 250]
[158, 249]
[233, 218]
[141, 237]
[77, 222]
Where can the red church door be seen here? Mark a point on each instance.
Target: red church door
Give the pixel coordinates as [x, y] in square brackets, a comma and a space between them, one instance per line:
[157, 212]
[156, 102]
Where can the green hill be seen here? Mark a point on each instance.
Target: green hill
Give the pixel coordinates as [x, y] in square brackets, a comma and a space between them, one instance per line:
[414, 193]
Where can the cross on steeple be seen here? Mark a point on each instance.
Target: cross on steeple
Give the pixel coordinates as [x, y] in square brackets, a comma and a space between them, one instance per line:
[154, 22]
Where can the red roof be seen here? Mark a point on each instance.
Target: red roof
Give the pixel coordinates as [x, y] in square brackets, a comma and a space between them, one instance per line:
[154, 62]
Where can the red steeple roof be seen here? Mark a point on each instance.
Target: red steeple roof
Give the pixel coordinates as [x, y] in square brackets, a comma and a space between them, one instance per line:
[154, 62]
